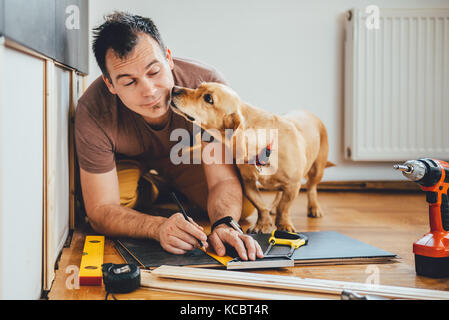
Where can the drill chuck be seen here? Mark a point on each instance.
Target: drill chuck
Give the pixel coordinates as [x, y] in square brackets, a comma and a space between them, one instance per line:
[412, 169]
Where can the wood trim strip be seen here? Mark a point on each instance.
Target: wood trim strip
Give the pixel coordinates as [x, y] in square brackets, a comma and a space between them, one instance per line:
[19, 47]
[72, 151]
[45, 274]
[408, 186]
[223, 290]
[295, 283]
[49, 176]
[368, 186]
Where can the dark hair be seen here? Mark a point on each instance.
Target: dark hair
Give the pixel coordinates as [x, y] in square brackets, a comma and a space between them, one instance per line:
[120, 32]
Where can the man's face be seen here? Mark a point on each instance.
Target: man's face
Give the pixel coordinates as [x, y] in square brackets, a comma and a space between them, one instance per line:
[143, 80]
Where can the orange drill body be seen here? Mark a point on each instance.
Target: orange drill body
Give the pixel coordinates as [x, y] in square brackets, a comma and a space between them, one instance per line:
[436, 242]
[432, 250]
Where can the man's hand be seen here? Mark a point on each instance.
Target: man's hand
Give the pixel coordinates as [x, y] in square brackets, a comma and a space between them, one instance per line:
[246, 247]
[177, 235]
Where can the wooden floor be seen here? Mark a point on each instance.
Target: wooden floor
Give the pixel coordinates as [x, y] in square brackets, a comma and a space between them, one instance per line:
[390, 221]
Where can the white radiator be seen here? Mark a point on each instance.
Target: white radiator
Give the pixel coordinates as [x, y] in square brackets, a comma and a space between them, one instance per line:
[397, 85]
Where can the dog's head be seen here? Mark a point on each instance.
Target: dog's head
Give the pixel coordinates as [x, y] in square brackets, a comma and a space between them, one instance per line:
[211, 105]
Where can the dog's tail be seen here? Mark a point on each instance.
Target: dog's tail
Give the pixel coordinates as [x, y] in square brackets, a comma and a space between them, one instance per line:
[330, 164]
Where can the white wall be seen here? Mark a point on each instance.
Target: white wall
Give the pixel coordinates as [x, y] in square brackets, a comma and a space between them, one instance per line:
[278, 55]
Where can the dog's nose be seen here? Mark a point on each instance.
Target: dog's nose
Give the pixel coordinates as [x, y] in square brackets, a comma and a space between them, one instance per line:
[176, 91]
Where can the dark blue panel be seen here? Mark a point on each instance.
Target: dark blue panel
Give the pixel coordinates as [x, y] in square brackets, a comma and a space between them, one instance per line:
[71, 33]
[2, 16]
[67, 32]
[84, 48]
[31, 23]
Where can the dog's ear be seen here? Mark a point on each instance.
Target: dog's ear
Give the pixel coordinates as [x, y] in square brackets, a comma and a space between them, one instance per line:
[235, 122]
[232, 121]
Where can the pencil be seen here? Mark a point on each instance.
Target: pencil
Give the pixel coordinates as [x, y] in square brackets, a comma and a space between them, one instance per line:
[184, 213]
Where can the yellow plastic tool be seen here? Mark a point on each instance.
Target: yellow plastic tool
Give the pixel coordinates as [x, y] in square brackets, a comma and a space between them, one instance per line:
[91, 261]
[223, 260]
[237, 264]
[284, 238]
[294, 240]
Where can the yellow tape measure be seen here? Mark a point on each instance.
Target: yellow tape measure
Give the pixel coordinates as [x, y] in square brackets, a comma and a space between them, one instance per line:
[91, 261]
[284, 238]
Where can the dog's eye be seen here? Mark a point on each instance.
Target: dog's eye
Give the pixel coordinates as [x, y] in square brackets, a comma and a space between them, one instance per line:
[208, 98]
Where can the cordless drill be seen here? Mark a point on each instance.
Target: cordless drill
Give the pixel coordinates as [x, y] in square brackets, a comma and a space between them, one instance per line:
[432, 250]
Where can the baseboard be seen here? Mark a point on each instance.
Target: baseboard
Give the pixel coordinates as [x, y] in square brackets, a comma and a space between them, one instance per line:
[369, 185]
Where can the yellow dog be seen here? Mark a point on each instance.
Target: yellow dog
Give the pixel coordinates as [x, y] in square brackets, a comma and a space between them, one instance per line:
[298, 148]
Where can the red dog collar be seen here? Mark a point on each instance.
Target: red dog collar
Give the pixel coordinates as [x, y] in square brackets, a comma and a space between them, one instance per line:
[264, 156]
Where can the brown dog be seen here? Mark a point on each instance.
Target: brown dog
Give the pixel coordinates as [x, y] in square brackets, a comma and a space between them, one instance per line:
[298, 148]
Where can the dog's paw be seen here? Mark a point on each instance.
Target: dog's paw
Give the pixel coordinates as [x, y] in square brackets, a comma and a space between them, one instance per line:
[262, 226]
[314, 212]
[285, 227]
[284, 224]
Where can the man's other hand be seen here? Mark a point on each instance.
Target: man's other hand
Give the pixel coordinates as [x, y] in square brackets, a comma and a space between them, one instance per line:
[246, 247]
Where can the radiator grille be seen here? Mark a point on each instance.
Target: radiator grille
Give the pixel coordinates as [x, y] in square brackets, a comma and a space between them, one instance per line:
[397, 85]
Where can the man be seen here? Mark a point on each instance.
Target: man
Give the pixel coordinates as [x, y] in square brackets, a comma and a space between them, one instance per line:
[122, 126]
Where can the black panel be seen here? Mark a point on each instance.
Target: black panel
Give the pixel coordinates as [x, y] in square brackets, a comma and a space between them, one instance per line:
[31, 23]
[84, 49]
[58, 29]
[66, 35]
[324, 246]
[71, 35]
[2, 16]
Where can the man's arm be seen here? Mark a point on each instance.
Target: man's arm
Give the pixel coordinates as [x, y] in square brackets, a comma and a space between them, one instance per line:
[106, 215]
[225, 199]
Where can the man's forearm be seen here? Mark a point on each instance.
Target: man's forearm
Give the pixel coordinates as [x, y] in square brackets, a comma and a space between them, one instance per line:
[225, 199]
[118, 221]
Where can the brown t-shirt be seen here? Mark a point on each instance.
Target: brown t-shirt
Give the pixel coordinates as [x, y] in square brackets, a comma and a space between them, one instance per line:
[107, 131]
